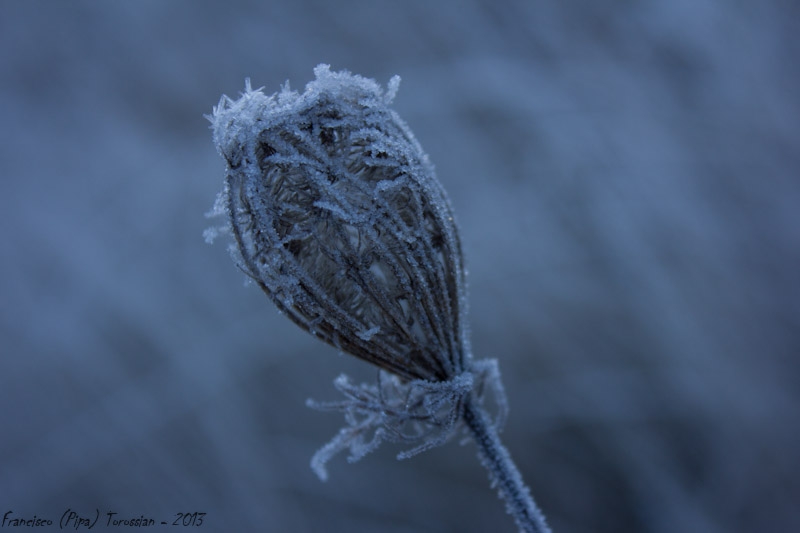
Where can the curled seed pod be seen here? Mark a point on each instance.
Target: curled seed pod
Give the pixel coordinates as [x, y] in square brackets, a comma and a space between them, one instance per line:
[338, 216]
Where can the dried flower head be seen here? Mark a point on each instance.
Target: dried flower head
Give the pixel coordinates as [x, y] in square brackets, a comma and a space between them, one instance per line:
[338, 216]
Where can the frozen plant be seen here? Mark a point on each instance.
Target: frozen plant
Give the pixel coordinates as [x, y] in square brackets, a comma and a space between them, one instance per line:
[337, 215]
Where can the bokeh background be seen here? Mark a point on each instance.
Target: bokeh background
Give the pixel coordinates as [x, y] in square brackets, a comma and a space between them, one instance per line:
[626, 179]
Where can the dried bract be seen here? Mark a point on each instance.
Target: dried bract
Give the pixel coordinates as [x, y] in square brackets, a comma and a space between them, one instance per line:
[421, 412]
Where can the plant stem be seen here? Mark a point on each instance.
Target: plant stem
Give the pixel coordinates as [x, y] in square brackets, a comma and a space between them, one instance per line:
[503, 471]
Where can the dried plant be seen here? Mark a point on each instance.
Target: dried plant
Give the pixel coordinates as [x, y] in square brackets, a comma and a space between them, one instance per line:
[337, 215]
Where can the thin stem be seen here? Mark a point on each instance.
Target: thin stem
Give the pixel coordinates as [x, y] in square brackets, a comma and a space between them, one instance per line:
[503, 471]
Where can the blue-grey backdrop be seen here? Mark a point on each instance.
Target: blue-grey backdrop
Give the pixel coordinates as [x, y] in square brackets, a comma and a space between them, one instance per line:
[625, 176]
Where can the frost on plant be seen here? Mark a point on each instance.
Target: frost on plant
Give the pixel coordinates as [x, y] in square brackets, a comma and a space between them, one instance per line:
[419, 411]
[337, 215]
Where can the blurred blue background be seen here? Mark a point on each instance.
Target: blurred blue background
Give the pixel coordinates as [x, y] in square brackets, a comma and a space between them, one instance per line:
[626, 180]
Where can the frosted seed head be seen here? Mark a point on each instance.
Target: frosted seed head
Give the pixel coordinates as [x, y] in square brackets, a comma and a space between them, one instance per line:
[338, 216]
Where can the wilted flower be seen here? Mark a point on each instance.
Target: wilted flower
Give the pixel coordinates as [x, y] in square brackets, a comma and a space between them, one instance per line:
[338, 216]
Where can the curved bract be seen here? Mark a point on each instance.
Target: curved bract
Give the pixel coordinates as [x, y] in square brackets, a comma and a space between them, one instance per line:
[339, 217]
